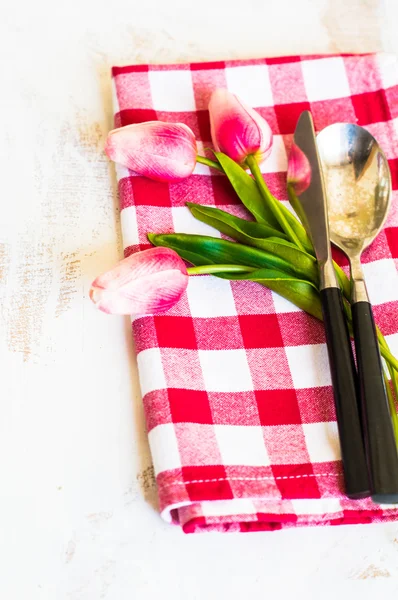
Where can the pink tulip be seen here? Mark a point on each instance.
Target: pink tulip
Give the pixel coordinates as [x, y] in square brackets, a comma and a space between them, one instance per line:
[299, 170]
[145, 282]
[158, 150]
[238, 130]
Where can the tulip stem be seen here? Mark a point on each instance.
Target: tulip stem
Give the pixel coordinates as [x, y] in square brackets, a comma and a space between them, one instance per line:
[391, 404]
[394, 379]
[271, 201]
[207, 161]
[210, 269]
[386, 354]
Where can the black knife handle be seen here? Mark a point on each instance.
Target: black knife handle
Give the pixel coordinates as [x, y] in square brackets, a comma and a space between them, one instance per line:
[345, 388]
[380, 443]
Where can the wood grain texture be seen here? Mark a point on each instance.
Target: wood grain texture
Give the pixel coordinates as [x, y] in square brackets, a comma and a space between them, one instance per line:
[78, 516]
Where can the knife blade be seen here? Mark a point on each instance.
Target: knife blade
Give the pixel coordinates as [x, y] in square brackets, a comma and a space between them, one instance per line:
[310, 202]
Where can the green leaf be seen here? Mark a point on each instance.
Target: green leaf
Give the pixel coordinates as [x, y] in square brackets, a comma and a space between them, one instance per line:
[231, 225]
[296, 204]
[271, 202]
[254, 234]
[297, 227]
[190, 255]
[247, 190]
[202, 250]
[301, 293]
[393, 410]
[303, 264]
[343, 280]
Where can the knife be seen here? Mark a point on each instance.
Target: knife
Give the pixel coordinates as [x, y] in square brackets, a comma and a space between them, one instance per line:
[311, 206]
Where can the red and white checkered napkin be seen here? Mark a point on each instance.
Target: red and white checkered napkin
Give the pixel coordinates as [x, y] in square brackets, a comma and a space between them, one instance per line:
[235, 379]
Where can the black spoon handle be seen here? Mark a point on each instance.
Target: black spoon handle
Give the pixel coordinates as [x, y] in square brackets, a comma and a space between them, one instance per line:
[344, 379]
[380, 443]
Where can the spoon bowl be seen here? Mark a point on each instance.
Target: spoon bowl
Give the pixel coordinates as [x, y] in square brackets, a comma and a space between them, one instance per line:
[358, 188]
[358, 183]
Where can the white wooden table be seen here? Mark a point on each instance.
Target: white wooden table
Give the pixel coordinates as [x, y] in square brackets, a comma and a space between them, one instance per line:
[78, 513]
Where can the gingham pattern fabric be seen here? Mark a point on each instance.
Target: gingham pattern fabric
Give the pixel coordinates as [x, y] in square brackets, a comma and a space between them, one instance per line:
[235, 379]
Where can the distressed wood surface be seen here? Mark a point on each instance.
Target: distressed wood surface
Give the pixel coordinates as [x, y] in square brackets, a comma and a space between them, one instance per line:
[78, 513]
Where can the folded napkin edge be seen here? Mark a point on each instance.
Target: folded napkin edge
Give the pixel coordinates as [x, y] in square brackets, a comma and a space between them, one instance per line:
[221, 63]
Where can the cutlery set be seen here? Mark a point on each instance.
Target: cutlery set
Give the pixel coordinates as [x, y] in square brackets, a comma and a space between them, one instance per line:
[346, 201]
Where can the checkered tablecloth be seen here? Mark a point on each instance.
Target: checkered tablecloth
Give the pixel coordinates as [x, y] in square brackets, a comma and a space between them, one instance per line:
[235, 379]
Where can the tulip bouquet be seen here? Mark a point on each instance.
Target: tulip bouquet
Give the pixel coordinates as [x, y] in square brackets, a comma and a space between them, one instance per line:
[272, 248]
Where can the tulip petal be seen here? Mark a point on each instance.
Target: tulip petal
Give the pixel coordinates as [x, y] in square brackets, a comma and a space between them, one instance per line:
[299, 170]
[145, 282]
[237, 129]
[158, 150]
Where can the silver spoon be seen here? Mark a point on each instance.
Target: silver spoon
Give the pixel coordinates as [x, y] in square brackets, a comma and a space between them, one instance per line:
[358, 185]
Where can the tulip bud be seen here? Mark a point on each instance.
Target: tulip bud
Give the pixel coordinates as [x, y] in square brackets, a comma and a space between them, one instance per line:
[238, 130]
[299, 170]
[158, 150]
[145, 282]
